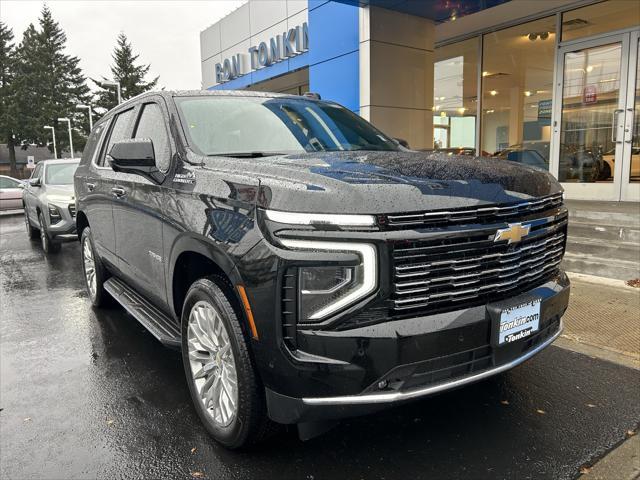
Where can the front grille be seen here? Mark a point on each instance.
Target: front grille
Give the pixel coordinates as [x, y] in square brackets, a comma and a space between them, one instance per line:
[72, 210]
[471, 269]
[484, 215]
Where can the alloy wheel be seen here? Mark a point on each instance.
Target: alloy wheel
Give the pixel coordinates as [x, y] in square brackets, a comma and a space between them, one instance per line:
[213, 366]
[89, 267]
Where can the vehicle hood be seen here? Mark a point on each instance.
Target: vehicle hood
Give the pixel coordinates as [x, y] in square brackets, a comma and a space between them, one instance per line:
[60, 193]
[387, 182]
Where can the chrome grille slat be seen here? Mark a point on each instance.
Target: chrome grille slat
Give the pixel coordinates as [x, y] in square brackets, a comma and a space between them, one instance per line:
[445, 272]
[555, 240]
[479, 213]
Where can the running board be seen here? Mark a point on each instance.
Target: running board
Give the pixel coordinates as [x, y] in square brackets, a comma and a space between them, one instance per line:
[159, 325]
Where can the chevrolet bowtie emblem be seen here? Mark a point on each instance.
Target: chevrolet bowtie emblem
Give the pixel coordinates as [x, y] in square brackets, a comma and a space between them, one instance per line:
[513, 233]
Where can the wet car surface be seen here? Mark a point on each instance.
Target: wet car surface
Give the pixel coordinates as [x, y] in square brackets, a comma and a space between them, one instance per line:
[90, 393]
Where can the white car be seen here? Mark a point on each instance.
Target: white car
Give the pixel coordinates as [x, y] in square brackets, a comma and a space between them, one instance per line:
[49, 202]
[10, 193]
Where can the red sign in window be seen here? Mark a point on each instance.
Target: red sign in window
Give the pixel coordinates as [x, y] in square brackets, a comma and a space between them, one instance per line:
[589, 94]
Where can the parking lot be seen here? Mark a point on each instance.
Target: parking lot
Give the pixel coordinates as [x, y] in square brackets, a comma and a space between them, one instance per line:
[89, 393]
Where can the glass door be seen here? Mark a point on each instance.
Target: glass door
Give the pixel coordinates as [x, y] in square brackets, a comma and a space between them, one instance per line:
[631, 138]
[596, 146]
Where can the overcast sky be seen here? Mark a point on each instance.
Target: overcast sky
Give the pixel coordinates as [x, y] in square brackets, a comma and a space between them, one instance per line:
[166, 34]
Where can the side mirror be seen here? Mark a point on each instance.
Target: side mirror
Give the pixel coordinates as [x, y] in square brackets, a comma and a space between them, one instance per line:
[21, 185]
[34, 182]
[135, 156]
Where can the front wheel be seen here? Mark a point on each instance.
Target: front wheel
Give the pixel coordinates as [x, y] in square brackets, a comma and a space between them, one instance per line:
[32, 233]
[224, 386]
[48, 245]
[95, 274]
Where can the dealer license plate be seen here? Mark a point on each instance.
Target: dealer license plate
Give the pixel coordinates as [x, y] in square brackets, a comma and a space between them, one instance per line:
[519, 322]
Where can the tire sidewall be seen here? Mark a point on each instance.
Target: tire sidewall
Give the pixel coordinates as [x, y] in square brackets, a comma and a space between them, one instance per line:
[235, 433]
[100, 296]
[45, 241]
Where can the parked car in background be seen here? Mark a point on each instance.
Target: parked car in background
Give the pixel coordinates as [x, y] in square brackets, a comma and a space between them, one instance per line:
[532, 154]
[610, 158]
[49, 202]
[307, 266]
[10, 193]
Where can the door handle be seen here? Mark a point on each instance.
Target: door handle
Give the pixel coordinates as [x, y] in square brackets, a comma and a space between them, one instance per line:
[614, 125]
[118, 192]
[91, 186]
[629, 127]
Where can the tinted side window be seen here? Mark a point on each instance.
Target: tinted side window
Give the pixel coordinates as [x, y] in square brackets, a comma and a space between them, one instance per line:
[151, 125]
[118, 133]
[7, 183]
[92, 143]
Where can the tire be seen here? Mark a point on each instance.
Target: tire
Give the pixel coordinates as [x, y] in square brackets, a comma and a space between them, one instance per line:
[47, 243]
[207, 308]
[97, 294]
[32, 233]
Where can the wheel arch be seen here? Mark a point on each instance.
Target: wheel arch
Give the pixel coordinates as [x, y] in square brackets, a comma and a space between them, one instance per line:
[192, 258]
[82, 222]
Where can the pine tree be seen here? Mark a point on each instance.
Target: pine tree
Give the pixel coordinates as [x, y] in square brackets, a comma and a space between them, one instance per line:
[48, 85]
[124, 71]
[7, 106]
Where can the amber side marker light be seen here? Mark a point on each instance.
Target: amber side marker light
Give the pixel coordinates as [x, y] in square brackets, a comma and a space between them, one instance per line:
[247, 309]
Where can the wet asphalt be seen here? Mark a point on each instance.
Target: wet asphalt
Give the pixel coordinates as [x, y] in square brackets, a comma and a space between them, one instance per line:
[89, 393]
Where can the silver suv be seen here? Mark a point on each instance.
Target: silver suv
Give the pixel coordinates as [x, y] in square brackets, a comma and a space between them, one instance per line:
[49, 202]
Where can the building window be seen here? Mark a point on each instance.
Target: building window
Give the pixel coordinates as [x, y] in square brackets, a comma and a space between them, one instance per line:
[517, 86]
[600, 18]
[455, 95]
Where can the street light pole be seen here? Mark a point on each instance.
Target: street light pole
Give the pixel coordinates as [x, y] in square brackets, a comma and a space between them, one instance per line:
[53, 131]
[90, 110]
[70, 137]
[117, 85]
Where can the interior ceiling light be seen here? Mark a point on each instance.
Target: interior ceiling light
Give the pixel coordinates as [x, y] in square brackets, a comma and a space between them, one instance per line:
[527, 93]
[589, 68]
[493, 93]
[533, 36]
[484, 74]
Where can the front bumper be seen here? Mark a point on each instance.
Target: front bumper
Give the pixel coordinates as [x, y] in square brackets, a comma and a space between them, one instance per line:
[403, 360]
[67, 223]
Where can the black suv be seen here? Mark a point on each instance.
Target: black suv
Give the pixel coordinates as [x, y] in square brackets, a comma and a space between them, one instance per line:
[308, 266]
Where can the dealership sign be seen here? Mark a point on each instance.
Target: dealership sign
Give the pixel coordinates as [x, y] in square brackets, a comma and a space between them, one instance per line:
[274, 50]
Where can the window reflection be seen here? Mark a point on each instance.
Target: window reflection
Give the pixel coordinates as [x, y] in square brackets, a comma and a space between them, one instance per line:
[517, 83]
[455, 97]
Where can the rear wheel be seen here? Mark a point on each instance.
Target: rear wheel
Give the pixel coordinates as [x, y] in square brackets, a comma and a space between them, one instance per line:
[224, 386]
[95, 274]
[48, 245]
[32, 233]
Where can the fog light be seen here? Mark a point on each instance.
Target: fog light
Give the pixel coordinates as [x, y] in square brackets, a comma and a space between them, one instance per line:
[54, 214]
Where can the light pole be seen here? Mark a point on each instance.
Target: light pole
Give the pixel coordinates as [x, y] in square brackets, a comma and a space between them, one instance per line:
[114, 84]
[53, 132]
[89, 109]
[70, 137]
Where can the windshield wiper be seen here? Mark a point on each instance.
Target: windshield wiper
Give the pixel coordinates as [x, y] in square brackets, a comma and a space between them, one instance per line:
[255, 154]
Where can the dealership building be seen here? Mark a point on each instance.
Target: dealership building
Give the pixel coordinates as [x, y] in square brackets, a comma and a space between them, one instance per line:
[554, 83]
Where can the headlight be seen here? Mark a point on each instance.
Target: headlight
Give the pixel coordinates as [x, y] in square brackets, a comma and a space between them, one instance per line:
[324, 290]
[54, 214]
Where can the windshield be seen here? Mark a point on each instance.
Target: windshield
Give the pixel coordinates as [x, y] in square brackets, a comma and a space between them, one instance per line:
[219, 125]
[60, 173]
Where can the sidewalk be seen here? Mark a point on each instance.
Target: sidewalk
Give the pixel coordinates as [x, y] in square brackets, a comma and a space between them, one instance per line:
[604, 315]
[603, 321]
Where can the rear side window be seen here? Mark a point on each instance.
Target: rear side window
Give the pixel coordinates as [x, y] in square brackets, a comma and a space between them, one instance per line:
[152, 126]
[8, 183]
[118, 133]
[92, 143]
